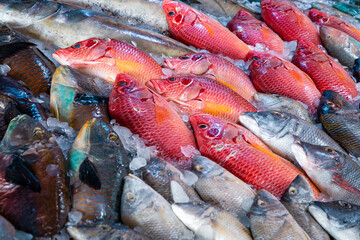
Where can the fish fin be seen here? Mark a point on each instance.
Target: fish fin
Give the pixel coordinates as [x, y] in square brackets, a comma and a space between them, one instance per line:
[266, 33]
[127, 66]
[232, 87]
[19, 174]
[89, 175]
[216, 109]
[298, 78]
[338, 72]
[87, 99]
[161, 111]
[10, 49]
[205, 24]
[345, 185]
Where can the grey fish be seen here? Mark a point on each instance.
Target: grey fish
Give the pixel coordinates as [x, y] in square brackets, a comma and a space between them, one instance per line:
[279, 130]
[296, 199]
[269, 219]
[142, 206]
[339, 218]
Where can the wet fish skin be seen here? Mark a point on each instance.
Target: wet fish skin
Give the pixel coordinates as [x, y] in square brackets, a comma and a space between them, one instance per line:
[279, 130]
[275, 102]
[220, 68]
[339, 218]
[220, 188]
[356, 69]
[347, 8]
[30, 151]
[144, 207]
[341, 121]
[296, 199]
[269, 219]
[340, 45]
[333, 172]
[197, 29]
[197, 94]
[7, 230]
[289, 22]
[8, 111]
[162, 176]
[209, 222]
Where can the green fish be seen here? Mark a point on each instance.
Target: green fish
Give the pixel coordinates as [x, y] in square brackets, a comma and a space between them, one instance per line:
[347, 8]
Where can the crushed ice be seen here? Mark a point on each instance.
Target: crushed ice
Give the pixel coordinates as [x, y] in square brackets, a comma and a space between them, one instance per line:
[178, 193]
[74, 218]
[188, 177]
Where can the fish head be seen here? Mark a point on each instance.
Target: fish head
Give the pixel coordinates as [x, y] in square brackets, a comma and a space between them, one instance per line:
[197, 64]
[88, 232]
[243, 15]
[172, 86]
[272, 100]
[274, 6]
[192, 213]
[204, 167]
[318, 16]
[306, 48]
[266, 205]
[333, 103]
[299, 191]
[332, 37]
[129, 86]
[83, 52]
[178, 14]
[317, 158]
[263, 60]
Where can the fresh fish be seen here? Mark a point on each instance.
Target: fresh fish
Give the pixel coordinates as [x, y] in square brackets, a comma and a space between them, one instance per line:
[279, 130]
[196, 94]
[271, 74]
[310, 58]
[142, 206]
[335, 173]
[107, 58]
[97, 179]
[274, 102]
[8, 111]
[296, 199]
[26, 103]
[356, 70]
[339, 218]
[102, 232]
[7, 230]
[253, 31]
[145, 113]
[166, 180]
[32, 166]
[75, 98]
[217, 67]
[220, 188]
[234, 148]
[347, 8]
[209, 222]
[340, 45]
[197, 29]
[289, 22]
[325, 19]
[341, 120]
[62, 26]
[269, 219]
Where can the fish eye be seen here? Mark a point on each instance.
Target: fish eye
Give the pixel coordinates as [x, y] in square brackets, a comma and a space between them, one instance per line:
[203, 126]
[328, 37]
[103, 227]
[78, 45]
[122, 83]
[277, 96]
[330, 150]
[345, 204]
[292, 190]
[330, 104]
[255, 58]
[113, 137]
[184, 57]
[200, 168]
[130, 197]
[171, 13]
[172, 79]
[261, 203]
[302, 48]
[38, 131]
[279, 115]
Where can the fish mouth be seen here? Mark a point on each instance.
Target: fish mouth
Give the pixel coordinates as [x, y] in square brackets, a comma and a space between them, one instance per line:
[61, 58]
[298, 149]
[249, 122]
[154, 84]
[167, 63]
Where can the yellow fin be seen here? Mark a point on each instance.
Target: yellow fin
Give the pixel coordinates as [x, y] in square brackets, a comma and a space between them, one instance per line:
[216, 109]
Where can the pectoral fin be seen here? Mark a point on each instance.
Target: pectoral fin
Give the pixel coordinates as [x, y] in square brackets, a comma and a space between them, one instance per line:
[89, 175]
[344, 184]
[11, 49]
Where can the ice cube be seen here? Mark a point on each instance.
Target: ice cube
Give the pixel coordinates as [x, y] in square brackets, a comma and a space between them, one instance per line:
[74, 217]
[136, 163]
[178, 193]
[189, 178]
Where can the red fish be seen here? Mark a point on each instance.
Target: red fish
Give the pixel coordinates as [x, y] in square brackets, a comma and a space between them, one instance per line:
[194, 94]
[230, 146]
[326, 73]
[197, 29]
[252, 31]
[145, 113]
[289, 22]
[221, 69]
[272, 74]
[326, 19]
[107, 58]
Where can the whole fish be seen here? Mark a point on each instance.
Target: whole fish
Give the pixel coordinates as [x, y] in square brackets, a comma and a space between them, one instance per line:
[339, 218]
[145, 113]
[142, 206]
[195, 94]
[75, 98]
[8, 111]
[102, 232]
[269, 219]
[253, 31]
[340, 45]
[32, 166]
[335, 173]
[274, 102]
[26, 101]
[97, 179]
[105, 58]
[220, 188]
[296, 199]
[221, 69]
[310, 58]
[233, 148]
[289, 22]
[341, 120]
[199, 30]
[322, 18]
[271, 74]
[209, 222]
[279, 130]
[7, 230]
[27, 63]
[62, 26]
[166, 180]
